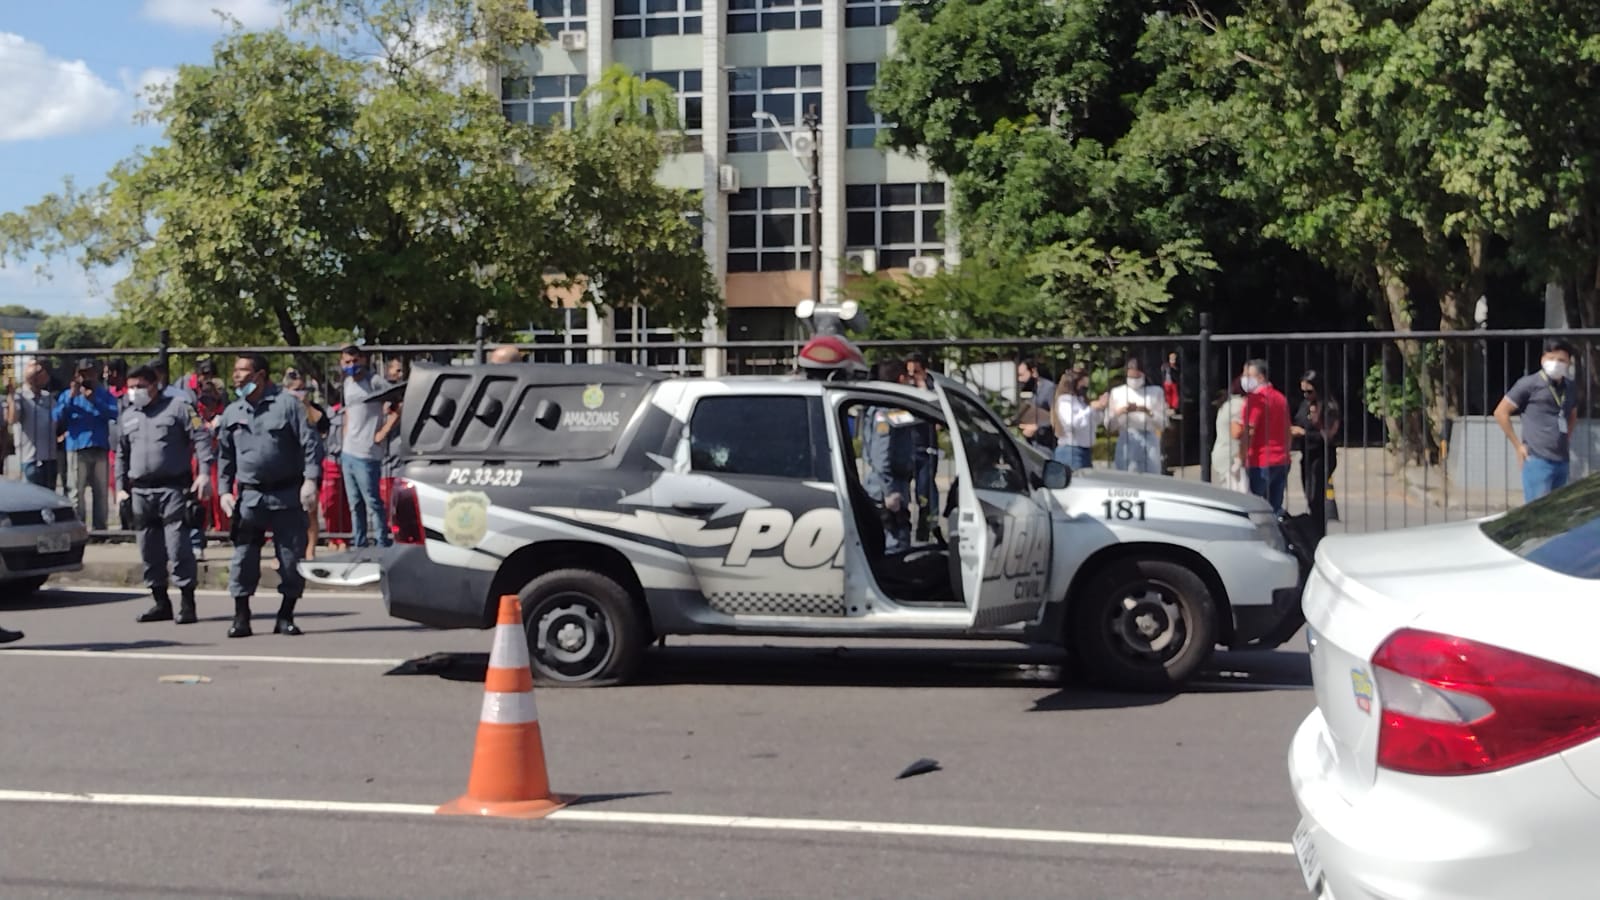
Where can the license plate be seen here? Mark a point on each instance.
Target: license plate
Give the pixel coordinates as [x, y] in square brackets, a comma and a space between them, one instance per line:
[1305, 851]
[54, 543]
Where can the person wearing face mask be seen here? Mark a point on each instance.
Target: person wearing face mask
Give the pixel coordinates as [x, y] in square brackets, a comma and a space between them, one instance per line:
[1316, 428]
[1137, 414]
[1075, 418]
[362, 455]
[85, 413]
[1263, 435]
[158, 438]
[272, 453]
[1548, 405]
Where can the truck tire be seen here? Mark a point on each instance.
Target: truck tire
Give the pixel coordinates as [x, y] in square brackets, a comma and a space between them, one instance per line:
[583, 628]
[1141, 625]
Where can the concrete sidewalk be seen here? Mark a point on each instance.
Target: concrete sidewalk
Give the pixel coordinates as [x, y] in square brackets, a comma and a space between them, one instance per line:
[116, 564]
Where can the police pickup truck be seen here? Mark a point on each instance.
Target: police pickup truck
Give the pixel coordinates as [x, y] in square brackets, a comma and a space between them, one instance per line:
[624, 505]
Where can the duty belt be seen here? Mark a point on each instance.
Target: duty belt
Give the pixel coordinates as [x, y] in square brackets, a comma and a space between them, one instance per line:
[151, 483]
[270, 486]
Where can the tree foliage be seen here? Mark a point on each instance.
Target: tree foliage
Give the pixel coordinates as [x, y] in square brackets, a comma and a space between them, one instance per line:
[359, 181]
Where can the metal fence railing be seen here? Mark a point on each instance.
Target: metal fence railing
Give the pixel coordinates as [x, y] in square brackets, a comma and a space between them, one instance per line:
[1416, 441]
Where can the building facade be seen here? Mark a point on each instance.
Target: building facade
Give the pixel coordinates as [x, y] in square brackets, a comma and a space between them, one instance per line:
[728, 60]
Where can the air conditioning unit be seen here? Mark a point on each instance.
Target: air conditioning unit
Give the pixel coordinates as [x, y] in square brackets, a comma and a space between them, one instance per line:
[573, 41]
[803, 145]
[727, 179]
[864, 260]
[923, 266]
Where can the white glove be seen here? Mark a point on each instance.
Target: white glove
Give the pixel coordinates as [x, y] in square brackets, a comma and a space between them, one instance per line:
[228, 503]
[308, 494]
[122, 496]
[201, 488]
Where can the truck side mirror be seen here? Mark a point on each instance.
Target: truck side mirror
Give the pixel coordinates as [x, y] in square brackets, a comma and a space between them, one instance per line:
[1056, 475]
[547, 414]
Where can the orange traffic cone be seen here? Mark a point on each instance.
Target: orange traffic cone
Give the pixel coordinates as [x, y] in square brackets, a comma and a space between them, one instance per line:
[508, 771]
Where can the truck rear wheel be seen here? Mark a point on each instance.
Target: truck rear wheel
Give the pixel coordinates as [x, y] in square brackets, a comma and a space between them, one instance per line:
[1142, 624]
[584, 629]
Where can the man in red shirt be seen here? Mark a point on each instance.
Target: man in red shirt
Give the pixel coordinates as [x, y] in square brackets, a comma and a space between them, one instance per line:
[1263, 434]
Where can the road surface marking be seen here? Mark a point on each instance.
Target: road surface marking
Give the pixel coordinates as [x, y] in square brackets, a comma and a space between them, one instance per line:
[202, 657]
[679, 820]
[135, 592]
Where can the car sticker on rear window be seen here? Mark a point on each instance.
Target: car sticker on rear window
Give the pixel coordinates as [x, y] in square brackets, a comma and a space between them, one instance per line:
[1361, 686]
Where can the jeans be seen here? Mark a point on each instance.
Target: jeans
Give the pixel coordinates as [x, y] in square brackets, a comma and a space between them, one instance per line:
[1075, 457]
[1269, 482]
[1139, 451]
[361, 485]
[41, 473]
[1541, 476]
[91, 472]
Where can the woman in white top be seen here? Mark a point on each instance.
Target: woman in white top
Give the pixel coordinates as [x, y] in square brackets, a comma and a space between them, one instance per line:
[1138, 414]
[1075, 418]
[1227, 468]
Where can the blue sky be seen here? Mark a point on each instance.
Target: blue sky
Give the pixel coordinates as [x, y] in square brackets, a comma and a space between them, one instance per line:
[71, 72]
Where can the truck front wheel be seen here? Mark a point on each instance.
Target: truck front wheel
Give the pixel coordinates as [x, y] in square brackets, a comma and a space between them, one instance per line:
[1142, 624]
[584, 630]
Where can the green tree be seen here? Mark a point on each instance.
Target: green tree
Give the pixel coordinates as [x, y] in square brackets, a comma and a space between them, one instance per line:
[622, 98]
[360, 180]
[19, 311]
[1080, 142]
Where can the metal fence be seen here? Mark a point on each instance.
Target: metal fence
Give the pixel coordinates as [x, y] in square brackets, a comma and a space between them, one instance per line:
[1417, 443]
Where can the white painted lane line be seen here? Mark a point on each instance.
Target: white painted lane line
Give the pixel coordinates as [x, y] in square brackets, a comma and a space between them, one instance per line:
[245, 803]
[678, 820]
[202, 657]
[908, 829]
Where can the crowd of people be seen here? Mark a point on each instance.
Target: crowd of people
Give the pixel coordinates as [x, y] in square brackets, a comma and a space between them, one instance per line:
[248, 457]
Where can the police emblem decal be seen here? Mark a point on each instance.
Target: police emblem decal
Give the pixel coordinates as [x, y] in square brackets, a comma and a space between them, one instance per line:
[466, 518]
[594, 397]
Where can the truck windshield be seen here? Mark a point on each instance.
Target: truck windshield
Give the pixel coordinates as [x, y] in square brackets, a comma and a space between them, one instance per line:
[1560, 531]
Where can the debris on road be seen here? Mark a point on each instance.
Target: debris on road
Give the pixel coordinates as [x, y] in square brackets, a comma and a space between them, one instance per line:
[184, 679]
[920, 767]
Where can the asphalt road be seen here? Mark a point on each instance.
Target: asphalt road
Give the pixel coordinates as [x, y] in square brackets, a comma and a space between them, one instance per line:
[805, 731]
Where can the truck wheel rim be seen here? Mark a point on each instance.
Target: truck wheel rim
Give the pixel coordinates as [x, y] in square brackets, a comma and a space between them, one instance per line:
[571, 637]
[1147, 624]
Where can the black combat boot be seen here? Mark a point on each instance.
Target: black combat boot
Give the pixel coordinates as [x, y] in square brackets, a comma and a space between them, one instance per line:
[286, 618]
[241, 618]
[162, 611]
[186, 614]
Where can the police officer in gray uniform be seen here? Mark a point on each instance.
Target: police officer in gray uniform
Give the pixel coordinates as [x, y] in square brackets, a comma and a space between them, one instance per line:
[888, 442]
[158, 435]
[270, 449]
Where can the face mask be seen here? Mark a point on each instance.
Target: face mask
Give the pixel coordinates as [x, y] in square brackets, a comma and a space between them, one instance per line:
[245, 390]
[139, 397]
[1249, 384]
[1136, 382]
[351, 370]
[1555, 368]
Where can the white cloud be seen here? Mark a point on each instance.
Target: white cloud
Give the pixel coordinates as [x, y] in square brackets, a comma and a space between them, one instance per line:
[139, 85]
[59, 286]
[49, 97]
[203, 13]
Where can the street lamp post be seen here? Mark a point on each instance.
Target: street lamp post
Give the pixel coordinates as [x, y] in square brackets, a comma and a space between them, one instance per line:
[813, 166]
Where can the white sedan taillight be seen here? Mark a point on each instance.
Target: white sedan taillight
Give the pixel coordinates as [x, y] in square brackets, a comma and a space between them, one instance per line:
[1457, 707]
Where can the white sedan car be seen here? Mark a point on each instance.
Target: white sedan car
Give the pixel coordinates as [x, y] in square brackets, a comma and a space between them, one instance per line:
[1455, 748]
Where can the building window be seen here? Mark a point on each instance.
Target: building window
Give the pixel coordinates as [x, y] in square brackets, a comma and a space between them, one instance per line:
[784, 91]
[898, 220]
[649, 18]
[863, 122]
[567, 343]
[869, 13]
[746, 16]
[561, 15]
[686, 85]
[656, 347]
[769, 230]
[541, 99]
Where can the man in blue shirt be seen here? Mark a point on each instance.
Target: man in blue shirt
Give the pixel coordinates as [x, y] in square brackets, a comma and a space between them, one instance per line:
[85, 413]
